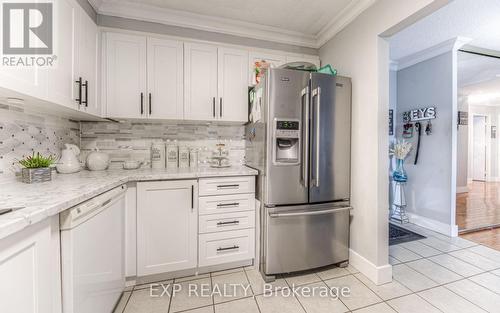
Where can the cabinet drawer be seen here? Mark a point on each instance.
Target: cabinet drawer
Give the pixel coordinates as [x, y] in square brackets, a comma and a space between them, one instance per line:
[224, 222]
[225, 247]
[227, 185]
[226, 204]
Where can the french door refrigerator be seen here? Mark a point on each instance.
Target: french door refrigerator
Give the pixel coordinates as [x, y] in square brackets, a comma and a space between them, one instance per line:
[300, 142]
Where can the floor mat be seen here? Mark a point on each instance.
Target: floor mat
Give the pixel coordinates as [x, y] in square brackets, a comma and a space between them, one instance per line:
[399, 235]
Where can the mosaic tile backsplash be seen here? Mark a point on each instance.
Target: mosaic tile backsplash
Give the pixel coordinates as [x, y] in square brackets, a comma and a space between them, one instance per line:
[22, 133]
[132, 140]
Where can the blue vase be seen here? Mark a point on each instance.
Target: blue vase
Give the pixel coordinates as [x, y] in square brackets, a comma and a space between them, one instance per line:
[399, 174]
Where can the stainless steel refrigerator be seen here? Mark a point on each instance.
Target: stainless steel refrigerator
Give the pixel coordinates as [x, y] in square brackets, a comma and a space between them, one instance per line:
[300, 142]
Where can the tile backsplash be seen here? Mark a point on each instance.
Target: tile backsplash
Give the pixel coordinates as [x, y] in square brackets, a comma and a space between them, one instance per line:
[132, 140]
[22, 133]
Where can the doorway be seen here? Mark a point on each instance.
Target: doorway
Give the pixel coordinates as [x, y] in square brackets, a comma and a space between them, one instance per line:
[479, 148]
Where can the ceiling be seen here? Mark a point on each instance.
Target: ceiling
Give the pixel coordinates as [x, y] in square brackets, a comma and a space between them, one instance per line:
[478, 20]
[479, 78]
[299, 22]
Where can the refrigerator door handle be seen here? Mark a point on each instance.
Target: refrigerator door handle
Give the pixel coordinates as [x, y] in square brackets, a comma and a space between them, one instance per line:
[305, 147]
[317, 93]
[309, 213]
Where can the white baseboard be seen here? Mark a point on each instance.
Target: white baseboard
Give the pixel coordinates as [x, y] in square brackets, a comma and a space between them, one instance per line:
[439, 227]
[462, 189]
[492, 179]
[378, 274]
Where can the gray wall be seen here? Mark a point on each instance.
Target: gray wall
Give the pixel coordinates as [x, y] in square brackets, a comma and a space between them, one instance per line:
[429, 83]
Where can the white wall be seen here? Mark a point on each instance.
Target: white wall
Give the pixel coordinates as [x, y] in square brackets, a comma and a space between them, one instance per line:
[358, 52]
[428, 190]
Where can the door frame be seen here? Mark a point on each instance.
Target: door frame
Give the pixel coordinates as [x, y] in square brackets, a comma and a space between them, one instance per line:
[470, 176]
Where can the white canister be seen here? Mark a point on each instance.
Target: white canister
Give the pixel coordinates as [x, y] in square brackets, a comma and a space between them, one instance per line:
[158, 155]
[183, 157]
[172, 156]
[193, 158]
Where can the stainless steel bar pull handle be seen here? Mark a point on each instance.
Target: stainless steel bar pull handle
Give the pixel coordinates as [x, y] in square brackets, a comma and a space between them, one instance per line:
[220, 106]
[317, 93]
[79, 99]
[234, 186]
[309, 213]
[228, 223]
[86, 86]
[213, 106]
[142, 103]
[305, 148]
[228, 248]
[227, 204]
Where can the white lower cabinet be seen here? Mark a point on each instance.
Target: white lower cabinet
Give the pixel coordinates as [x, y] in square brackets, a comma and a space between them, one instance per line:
[225, 247]
[178, 229]
[167, 220]
[226, 220]
[30, 273]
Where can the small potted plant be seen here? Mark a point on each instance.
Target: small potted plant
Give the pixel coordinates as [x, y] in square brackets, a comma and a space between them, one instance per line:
[36, 168]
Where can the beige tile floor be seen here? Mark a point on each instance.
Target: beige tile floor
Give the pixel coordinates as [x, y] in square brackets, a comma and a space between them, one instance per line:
[436, 274]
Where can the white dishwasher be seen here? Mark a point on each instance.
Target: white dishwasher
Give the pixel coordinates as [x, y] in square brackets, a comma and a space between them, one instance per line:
[92, 253]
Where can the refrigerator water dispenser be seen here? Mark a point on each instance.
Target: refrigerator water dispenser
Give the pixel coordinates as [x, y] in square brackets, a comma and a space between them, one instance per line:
[286, 142]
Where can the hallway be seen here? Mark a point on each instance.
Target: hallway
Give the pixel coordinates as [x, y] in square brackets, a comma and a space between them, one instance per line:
[480, 207]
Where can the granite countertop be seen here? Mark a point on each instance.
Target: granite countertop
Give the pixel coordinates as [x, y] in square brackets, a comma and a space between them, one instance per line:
[43, 200]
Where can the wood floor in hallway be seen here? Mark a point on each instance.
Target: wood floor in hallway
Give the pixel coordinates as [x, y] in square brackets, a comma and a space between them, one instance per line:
[489, 238]
[480, 207]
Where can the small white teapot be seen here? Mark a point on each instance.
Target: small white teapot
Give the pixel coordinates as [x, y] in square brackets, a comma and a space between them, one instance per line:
[69, 163]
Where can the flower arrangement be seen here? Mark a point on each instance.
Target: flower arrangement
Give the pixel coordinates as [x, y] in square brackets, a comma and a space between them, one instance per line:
[400, 149]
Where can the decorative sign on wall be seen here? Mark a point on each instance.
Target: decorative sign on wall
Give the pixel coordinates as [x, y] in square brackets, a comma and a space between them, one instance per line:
[463, 118]
[419, 115]
[391, 122]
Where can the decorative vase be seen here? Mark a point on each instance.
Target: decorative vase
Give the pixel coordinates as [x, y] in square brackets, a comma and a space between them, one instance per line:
[399, 174]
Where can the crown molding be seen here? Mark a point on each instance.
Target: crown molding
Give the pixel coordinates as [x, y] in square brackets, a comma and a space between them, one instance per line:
[154, 14]
[149, 13]
[341, 20]
[452, 44]
[95, 4]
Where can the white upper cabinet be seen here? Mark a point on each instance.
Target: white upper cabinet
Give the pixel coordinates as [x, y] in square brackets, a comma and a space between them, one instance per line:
[88, 66]
[165, 75]
[125, 75]
[233, 85]
[61, 85]
[143, 77]
[200, 82]
[275, 60]
[215, 83]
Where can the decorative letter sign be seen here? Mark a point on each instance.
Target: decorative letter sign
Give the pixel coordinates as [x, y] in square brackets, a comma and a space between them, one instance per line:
[419, 115]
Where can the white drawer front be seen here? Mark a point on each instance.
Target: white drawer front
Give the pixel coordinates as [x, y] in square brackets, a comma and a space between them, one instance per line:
[226, 185]
[226, 204]
[224, 222]
[224, 247]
